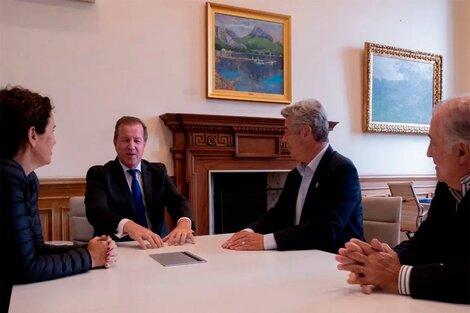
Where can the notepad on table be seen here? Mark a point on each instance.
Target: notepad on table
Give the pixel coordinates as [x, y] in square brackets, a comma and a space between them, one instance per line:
[176, 258]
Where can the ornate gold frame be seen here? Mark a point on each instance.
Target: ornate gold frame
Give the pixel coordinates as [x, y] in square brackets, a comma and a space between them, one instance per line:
[212, 91]
[397, 126]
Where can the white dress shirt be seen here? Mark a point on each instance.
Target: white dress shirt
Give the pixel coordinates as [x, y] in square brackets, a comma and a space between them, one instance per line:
[120, 229]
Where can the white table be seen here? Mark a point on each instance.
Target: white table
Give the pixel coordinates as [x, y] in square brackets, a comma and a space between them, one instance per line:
[230, 281]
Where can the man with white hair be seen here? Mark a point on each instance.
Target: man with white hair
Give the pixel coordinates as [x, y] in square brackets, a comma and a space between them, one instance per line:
[435, 263]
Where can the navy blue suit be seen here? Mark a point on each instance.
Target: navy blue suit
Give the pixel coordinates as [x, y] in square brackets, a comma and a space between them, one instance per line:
[108, 198]
[332, 212]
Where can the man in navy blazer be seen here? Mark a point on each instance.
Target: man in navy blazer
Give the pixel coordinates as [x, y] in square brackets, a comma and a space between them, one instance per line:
[110, 205]
[320, 204]
[435, 263]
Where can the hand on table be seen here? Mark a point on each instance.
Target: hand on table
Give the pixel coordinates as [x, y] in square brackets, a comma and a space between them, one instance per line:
[143, 235]
[374, 264]
[181, 234]
[245, 240]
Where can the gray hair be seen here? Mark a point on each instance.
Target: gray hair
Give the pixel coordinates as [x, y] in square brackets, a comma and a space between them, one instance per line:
[457, 124]
[308, 112]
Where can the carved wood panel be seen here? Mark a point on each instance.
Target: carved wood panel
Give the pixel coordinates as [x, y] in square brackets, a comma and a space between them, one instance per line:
[45, 214]
[54, 195]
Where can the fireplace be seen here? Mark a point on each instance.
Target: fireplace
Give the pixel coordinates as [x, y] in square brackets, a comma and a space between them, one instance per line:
[204, 144]
[238, 198]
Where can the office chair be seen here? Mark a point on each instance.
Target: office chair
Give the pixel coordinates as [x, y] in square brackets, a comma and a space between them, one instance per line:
[381, 218]
[413, 213]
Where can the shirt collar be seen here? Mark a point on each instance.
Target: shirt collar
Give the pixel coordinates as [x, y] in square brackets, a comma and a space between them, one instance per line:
[125, 168]
[301, 167]
[465, 183]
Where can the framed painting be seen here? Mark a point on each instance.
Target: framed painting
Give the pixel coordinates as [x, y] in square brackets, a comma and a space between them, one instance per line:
[401, 88]
[248, 54]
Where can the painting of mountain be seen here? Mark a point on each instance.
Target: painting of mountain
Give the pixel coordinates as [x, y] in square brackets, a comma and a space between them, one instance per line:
[249, 54]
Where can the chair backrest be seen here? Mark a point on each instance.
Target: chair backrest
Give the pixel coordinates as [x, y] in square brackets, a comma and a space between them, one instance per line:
[80, 229]
[381, 217]
[411, 209]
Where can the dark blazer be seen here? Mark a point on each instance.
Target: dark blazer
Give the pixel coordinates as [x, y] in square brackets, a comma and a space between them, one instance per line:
[108, 198]
[439, 250]
[332, 212]
[25, 258]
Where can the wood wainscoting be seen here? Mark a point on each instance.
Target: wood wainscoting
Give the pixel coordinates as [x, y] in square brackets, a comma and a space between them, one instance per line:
[54, 195]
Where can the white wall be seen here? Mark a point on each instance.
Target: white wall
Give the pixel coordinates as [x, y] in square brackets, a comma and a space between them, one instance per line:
[147, 57]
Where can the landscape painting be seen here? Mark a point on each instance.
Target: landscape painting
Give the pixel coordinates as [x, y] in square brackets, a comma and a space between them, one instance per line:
[395, 84]
[249, 55]
[402, 86]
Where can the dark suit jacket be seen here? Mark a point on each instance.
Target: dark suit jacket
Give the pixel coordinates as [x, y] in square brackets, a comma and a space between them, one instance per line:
[439, 250]
[108, 198]
[332, 212]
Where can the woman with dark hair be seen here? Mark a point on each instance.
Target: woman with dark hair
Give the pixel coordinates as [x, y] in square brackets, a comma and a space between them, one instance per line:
[26, 142]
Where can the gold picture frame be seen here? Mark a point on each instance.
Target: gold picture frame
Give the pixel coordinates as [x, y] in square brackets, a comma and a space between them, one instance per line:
[248, 54]
[401, 87]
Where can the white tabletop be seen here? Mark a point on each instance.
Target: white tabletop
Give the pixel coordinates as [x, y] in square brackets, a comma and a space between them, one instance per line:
[230, 281]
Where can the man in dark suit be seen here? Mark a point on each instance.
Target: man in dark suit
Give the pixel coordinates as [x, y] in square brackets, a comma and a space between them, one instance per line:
[127, 196]
[320, 204]
[434, 264]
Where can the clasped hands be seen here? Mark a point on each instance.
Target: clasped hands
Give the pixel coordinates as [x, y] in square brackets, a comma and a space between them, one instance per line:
[370, 265]
[103, 251]
[181, 234]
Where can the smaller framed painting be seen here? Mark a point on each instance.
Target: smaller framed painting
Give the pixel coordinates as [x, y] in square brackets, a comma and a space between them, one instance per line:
[401, 88]
[248, 54]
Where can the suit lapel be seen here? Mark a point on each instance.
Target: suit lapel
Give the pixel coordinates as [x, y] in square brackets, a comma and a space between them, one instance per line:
[316, 181]
[147, 184]
[121, 181]
[464, 205]
[322, 167]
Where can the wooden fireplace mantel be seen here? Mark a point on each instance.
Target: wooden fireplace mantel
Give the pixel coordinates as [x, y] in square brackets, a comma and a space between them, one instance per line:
[202, 143]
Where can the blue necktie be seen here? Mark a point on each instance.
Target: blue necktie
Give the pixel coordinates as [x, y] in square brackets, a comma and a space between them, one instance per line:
[138, 201]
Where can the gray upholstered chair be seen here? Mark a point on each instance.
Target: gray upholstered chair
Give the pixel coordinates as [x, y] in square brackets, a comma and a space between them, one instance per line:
[381, 216]
[80, 229]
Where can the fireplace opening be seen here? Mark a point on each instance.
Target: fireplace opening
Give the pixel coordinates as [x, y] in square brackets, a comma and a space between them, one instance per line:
[240, 198]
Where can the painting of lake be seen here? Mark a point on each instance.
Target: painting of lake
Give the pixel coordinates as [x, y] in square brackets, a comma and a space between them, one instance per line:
[249, 55]
[402, 90]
